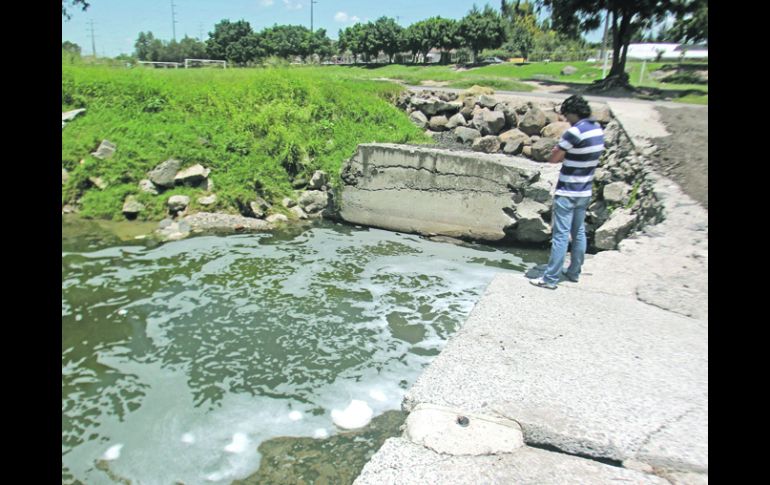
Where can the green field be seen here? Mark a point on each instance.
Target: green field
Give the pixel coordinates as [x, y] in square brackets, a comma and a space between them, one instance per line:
[255, 128]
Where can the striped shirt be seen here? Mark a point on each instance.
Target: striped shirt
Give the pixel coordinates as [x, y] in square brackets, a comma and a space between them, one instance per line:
[584, 144]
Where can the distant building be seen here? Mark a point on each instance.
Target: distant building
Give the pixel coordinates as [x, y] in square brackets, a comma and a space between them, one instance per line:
[651, 51]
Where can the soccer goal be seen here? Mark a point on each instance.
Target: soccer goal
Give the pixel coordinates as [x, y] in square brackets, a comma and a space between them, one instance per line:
[160, 64]
[204, 62]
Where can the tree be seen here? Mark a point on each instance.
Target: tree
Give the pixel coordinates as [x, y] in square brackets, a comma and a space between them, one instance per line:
[481, 30]
[233, 41]
[521, 26]
[70, 47]
[388, 36]
[692, 22]
[626, 17]
[148, 48]
[72, 3]
[422, 36]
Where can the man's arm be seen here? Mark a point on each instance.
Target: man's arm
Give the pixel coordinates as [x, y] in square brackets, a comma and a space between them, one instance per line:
[557, 155]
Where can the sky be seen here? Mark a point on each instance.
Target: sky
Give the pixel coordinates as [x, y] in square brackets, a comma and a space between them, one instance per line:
[117, 23]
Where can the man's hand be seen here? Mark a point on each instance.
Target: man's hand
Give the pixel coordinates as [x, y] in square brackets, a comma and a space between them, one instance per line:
[557, 155]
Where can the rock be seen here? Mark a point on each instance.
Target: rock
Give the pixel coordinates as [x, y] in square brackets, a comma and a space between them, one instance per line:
[192, 176]
[132, 207]
[212, 221]
[433, 134]
[515, 134]
[465, 134]
[513, 147]
[601, 175]
[288, 203]
[276, 218]
[529, 225]
[527, 151]
[98, 182]
[106, 150]
[206, 185]
[169, 230]
[68, 209]
[615, 229]
[455, 121]
[433, 106]
[486, 101]
[616, 192]
[568, 70]
[298, 212]
[597, 212]
[489, 122]
[541, 149]
[533, 122]
[313, 201]
[146, 185]
[553, 117]
[64, 176]
[438, 123]
[178, 203]
[600, 112]
[476, 90]
[521, 107]
[555, 130]
[70, 115]
[540, 191]
[318, 180]
[467, 112]
[207, 200]
[299, 183]
[259, 207]
[511, 118]
[486, 144]
[419, 119]
[163, 175]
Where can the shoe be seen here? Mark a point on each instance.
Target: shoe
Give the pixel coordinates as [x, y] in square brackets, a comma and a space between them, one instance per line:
[564, 272]
[543, 284]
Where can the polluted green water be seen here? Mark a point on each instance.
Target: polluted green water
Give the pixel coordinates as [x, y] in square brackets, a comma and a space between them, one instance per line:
[221, 359]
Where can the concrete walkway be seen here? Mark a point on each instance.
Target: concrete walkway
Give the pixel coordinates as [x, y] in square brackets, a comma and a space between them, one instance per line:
[606, 380]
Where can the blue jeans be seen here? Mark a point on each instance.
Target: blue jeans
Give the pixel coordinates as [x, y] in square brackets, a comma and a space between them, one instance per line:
[568, 218]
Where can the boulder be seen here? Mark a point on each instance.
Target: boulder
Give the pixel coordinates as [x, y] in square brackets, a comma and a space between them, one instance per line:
[600, 112]
[206, 185]
[467, 112]
[521, 107]
[276, 218]
[106, 150]
[419, 119]
[615, 229]
[616, 192]
[288, 203]
[259, 207]
[529, 225]
[552, 117]
[438, 123]
[455, 121]
[192, 176]
[465, 134]
[433, 106]
[318, 180]
[298, 212]
[169, 230]
[555, 130]
[163, 175]
[207, 200]
[511, 118]
[513, 147]
[541, 149]
[313, 201]
[98, 182]
[486, 101]
[540, 191]
[533, 121]
[515, 134]
[178, 203]
[299, 183]
[146, 185]
[489, 122]
[568, 70]
[132, 207]
[486, 144]
[527, 151]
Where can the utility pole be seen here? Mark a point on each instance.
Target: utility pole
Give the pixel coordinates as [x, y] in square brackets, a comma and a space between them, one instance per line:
[312, 2]
[173, 20]
[93, 42]
[200, 32]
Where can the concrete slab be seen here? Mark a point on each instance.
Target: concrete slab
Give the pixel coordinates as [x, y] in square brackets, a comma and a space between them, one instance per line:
[603, 376]
[401, 462]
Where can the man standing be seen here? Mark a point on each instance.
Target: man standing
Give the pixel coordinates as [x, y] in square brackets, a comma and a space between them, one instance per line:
[580, 148]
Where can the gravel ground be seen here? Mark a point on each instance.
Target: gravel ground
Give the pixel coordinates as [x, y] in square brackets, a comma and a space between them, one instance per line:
[683, 156]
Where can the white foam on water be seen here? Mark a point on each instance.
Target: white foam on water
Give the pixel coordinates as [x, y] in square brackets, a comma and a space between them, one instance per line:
[113, 453]
[320, 433]
[122, 312]
[295, 415]
[239, 443]
[188, 438]
[377, 395]
[356, 415]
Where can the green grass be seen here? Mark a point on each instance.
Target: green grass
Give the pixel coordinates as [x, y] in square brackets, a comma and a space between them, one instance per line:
[254, 128]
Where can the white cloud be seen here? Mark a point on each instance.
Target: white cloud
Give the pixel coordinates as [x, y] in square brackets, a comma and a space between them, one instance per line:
[354, 19]
[292, 5]
[341, 17]
[266, 3]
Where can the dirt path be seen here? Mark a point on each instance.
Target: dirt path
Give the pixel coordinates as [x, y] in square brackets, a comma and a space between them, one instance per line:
[683, 155]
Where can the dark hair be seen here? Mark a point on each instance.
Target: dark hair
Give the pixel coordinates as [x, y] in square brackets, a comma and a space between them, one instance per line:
[577, 105]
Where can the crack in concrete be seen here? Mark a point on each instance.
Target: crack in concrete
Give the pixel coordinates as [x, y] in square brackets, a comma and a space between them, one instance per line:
[663, 426]
[435, 189]
[533, 178]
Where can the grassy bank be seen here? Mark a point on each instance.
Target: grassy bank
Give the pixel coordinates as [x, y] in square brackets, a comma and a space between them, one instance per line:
[256, 129]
